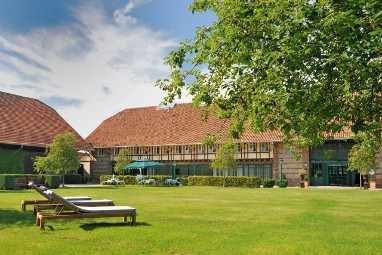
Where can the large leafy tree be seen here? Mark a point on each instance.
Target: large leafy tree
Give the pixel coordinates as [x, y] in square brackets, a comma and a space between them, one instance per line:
[225, 159]
[62, 156]
[309, 68]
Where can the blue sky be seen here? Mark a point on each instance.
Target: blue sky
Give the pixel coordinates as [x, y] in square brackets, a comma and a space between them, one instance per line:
[91, 59]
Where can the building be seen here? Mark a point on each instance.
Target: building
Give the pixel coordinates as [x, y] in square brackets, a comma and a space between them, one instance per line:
[173, 135]
[27, 126]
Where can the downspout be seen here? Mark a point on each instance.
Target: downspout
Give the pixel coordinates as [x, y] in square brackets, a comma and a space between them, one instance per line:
[22, 146]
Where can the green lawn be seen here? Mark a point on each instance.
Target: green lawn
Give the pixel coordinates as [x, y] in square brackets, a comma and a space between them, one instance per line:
[203, 220]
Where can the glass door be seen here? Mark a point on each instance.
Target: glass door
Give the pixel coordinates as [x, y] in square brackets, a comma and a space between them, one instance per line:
[337, 175]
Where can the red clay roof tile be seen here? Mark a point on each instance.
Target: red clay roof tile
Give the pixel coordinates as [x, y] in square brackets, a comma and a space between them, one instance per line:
[149, 126]
[29, 122]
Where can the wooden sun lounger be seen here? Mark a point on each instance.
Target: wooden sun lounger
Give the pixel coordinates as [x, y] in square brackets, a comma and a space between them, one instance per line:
[82, 200]
[75, 212]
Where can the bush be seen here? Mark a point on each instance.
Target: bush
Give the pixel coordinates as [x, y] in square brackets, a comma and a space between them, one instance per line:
[128, 179]
[184, 181]
[283, 184]
[268, 183]
[73, 178]
[7, 181]
[52, 181]
[230, 181]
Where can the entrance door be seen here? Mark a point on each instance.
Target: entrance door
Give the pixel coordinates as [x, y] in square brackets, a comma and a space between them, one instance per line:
[337, 175]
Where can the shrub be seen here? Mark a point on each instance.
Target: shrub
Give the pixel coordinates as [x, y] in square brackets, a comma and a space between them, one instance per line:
[268, 183]
[7, 181]
[73, 178]
[184, 181]
[52, 181]
[231, 181]
[128, 179]
[282, 184]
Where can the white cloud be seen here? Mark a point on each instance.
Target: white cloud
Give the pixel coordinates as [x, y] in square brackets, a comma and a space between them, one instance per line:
[100, 64]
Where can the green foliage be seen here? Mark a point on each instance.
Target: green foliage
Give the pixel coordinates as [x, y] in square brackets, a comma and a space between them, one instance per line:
[121, 161]
[62, 156]
[73, 178]
[52, 181]
[268, 183]
[302, 172]
[308, 68]
[12, 161]
[282, 184]
[362, 155]
[230, 181]
[225, 158]
[128, 179]
[7, 181]
[184, 181]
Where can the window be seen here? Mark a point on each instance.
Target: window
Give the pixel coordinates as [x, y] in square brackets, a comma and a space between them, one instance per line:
[100, 152]
[252, 147]
[211, 149]
[178, 149]
[115, 151]
[165, 150]
[290, 151]
[200, 148]
[187, 149]
[264, 147]
[145, 151]
[238, 148]
[135, 150]
[156, 150]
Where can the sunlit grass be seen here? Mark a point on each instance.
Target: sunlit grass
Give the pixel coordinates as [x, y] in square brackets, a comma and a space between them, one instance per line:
[203, 220]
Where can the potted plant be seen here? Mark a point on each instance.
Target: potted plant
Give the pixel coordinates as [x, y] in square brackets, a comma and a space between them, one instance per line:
[302, 174]
[306, 181]
[372, 183]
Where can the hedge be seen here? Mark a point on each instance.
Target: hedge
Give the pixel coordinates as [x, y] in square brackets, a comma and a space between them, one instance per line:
[7, 181]
[230, 181]
[128, 179]
[53, 181]
[73, 178]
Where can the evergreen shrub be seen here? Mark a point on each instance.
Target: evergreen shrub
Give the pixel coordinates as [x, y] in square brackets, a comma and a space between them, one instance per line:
[53, 181]
[73, 178]
[230, 181]
[7, 181]
[268, 183]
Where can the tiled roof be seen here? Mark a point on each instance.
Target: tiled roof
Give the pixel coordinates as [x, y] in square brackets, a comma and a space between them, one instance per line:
[29, 122]
[149, 126]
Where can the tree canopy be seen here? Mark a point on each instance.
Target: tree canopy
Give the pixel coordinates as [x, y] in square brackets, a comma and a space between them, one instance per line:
[225, 158]
[62, 156]
[362, 155]
[307, 68]
[121, 161]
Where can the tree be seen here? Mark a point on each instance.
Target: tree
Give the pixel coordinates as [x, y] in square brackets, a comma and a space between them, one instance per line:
[225, 159]
[62, 156]
[362, 155]
[309, 68]
[121, 161]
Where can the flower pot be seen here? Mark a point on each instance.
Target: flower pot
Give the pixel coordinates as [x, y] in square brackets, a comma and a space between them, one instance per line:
[306, 183]
[373, 184]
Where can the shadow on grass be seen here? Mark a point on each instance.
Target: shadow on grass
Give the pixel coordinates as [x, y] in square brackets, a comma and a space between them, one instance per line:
[10, 218]
[93, 226]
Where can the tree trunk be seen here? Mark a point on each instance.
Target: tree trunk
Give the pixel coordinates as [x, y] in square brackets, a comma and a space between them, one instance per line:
[63, 180]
